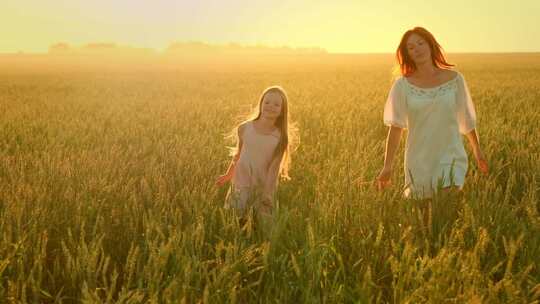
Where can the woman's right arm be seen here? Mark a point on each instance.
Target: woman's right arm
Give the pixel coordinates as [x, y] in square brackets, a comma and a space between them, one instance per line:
[221, 180]
[396, 117]
[392, 143]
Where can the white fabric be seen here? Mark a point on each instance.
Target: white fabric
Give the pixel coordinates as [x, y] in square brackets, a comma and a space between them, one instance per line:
[435, 117]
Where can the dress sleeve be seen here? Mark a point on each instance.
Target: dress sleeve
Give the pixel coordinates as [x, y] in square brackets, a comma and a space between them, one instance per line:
[466, 115]
[395, 109]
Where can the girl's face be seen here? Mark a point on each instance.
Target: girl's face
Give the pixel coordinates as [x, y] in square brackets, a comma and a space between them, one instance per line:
[418, 49]
[271, 105]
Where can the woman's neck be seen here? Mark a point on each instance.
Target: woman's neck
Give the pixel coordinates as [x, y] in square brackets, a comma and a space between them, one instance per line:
[426, 69]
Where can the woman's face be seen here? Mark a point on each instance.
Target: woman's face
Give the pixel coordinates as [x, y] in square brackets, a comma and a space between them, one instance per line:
[271, 105]
[418, 49]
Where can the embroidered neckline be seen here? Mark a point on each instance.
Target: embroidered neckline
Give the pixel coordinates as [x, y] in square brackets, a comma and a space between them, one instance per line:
[432, 88]
[433, 91]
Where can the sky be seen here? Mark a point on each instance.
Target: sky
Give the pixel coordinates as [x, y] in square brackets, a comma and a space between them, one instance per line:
[339, 26]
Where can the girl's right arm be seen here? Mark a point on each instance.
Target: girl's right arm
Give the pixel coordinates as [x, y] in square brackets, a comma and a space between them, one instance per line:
[392, 143]
[221, 180]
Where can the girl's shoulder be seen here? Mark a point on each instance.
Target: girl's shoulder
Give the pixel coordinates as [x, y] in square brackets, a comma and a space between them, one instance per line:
[242, 127]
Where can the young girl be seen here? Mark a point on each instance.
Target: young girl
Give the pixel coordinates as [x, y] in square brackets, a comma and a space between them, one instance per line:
[261, 155]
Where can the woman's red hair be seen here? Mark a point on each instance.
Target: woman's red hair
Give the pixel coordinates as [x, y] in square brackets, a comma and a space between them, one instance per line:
[406, 64]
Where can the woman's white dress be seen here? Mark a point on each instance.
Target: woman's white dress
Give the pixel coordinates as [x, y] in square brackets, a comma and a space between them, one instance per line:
[435, 118]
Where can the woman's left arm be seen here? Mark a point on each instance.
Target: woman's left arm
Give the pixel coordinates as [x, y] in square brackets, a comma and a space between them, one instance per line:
[481, 161]
[466, 117]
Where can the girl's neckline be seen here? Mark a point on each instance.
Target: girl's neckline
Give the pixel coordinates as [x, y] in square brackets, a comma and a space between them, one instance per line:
[431, 88]
[260, 133]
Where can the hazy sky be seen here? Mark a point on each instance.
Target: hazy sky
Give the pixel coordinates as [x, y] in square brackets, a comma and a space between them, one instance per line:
[338, 25]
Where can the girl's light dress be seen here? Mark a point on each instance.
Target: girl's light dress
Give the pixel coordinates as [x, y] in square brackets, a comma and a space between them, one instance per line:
[434, 156]
[256, 172]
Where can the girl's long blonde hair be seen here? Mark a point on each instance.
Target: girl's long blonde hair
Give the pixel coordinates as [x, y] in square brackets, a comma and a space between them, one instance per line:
[287, 130]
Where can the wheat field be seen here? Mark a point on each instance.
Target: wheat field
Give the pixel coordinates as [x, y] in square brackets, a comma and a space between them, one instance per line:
[107, 193]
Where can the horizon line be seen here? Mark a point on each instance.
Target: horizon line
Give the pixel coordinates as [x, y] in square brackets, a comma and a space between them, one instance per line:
[175, 46]
[158, 53]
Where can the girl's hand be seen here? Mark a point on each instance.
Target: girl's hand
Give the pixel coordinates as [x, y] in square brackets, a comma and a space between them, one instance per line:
[266, 206]
[481, 161]
[223, 179]
[383, 179]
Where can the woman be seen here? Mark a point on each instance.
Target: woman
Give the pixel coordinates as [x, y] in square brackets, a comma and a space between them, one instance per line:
[434, 104]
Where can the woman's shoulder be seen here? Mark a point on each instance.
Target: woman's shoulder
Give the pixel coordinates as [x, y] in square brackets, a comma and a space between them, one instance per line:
[456, 77]
[399, 85]
[450, 77]
[397, 81]
[452, 74]
[398, 78]
[459, 76]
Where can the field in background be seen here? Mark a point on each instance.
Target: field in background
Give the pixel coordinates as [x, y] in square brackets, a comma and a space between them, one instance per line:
[107, 193]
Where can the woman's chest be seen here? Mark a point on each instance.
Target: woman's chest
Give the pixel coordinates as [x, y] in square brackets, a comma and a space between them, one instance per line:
[441, 100]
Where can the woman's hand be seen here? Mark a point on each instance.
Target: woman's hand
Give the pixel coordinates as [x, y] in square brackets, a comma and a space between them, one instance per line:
[475, 145]
[481, 161]
[392, 142]
[223, 179]
[383, 179]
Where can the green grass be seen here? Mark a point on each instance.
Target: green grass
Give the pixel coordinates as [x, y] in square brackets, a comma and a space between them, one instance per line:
[107, 188]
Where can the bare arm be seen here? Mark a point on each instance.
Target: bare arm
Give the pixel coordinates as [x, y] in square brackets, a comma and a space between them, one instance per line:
[270, 186]
[232, 165]
[229, 173]
[481, 161]
[472, 137]
[392, 144]
[230, 170]
[272, 178]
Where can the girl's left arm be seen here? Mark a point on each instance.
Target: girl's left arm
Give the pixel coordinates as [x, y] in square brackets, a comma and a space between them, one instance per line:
[272, 178]
[481, 161]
